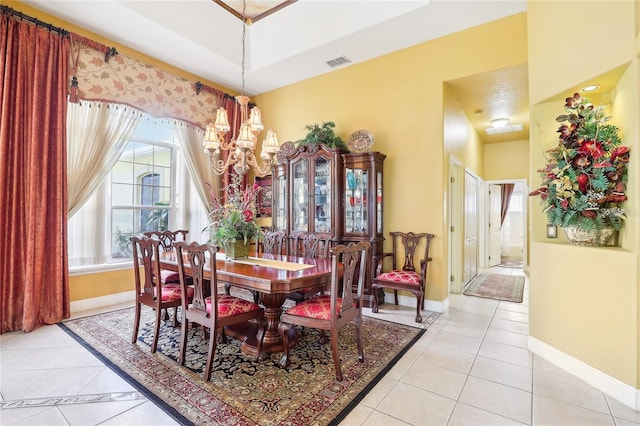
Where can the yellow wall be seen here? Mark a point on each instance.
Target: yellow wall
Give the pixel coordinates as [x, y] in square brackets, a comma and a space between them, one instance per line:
[399, 98]
[583, 300]
[460, 138]
[506, 160]
[88, 286]
[572, 41]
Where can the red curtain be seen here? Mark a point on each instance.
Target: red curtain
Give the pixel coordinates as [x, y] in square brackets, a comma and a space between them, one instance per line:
[34, 66]
[507, 190]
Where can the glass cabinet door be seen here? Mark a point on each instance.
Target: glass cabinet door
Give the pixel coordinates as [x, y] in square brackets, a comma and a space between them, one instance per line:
[356, 203]
[280, 203]
[322, 195]
[379, 202]
[300, 196]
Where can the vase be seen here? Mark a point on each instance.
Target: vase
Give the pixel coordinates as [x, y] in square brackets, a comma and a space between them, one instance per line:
[237, 250]
[591, 237]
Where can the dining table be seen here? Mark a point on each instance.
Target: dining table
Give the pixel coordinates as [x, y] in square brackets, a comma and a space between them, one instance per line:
[274, 277]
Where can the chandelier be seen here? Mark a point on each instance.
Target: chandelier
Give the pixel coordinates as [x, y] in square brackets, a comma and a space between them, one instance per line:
[241, 149]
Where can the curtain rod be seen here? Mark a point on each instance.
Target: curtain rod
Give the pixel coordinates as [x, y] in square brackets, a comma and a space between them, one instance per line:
[9, 11]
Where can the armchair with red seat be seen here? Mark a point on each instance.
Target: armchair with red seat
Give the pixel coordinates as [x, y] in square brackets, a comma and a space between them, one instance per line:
[408, 277]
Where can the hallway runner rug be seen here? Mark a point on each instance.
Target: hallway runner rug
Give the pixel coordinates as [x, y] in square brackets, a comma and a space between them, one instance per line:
[243, 391]
[497, 286]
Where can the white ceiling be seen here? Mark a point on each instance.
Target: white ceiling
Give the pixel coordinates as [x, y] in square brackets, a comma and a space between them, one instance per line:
[290, 45]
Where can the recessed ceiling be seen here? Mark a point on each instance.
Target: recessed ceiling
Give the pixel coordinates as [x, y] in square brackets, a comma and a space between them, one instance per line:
[252, 11]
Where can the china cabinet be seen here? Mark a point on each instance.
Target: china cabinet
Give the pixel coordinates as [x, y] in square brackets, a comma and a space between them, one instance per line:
[326, 190]
[363, 194]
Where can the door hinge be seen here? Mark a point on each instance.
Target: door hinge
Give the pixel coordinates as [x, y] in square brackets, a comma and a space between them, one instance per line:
[452, 179]
[452, 278]
[453, 229]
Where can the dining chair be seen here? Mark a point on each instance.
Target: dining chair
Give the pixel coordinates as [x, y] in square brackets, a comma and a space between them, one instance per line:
[309, 245]
[334, 310]
[407, 278]
[167, 239]
[274, 242]
[214, 311]
[150, 291]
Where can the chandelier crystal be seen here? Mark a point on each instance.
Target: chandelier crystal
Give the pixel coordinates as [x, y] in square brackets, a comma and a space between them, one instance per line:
[241, 150]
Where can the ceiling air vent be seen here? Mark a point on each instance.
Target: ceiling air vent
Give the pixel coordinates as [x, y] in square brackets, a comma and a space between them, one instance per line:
[338, 61]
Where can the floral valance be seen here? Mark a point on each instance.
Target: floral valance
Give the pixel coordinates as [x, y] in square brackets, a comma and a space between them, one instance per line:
[128, 81]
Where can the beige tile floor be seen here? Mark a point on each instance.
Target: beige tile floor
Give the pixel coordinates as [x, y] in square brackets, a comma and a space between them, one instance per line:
[471, 367]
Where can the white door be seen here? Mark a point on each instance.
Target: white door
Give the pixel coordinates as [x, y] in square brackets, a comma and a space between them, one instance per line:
[495, 227]
[455, 225]
[470, 227]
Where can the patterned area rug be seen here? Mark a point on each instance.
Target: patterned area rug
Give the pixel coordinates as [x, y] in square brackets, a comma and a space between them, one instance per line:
[243, 391]
[497, 286]
[511, 263]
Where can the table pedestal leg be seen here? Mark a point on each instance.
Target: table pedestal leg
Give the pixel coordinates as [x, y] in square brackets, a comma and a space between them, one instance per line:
[272, 342]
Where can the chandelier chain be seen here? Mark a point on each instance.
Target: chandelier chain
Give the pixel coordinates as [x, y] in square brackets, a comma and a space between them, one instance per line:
[244, 31]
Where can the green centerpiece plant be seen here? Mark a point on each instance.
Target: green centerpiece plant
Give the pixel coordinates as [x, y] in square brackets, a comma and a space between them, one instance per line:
[233, 218]
[584, 181]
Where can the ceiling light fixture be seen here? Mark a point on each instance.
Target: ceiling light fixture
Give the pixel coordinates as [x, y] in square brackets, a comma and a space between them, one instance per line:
[591, 88]
[240, 149]
[497, 123]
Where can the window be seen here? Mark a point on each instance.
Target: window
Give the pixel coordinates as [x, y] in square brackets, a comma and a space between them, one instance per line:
[148, 189]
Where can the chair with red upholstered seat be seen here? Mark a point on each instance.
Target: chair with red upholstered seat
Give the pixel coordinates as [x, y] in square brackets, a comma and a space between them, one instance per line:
[167, 238]
[334, 310]
[214, 311]
[309, 245]
[408, 278]
[150, 290]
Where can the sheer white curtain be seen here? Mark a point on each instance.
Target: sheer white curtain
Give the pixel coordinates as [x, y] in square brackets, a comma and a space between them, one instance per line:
[97, 133]
[197, 163]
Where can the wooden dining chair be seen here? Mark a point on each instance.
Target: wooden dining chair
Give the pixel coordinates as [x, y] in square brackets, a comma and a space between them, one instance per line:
[334, 310]
[408, 277]
[310, 245]
[167, 239]
[151, 291]
[274, 242]
[214, 311]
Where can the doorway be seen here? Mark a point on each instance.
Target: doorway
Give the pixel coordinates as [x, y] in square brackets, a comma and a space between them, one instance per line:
[511, 240]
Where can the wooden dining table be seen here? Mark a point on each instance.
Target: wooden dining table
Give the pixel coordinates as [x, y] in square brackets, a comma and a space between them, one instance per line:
[274, 276]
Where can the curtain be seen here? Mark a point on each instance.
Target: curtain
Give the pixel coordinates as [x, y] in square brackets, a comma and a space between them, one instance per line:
[33, 202]
[97, 133]
[506, 190]
[196, 160]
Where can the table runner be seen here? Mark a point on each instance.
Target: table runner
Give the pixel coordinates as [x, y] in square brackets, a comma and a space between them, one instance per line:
[278, 264]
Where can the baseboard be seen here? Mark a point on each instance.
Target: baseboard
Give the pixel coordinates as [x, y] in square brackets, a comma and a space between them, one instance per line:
[611, 386]
[411, 301]
[102, 301]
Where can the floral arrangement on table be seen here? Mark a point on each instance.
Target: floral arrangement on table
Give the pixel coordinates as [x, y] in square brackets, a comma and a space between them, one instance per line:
[583, 184]
[233, 214]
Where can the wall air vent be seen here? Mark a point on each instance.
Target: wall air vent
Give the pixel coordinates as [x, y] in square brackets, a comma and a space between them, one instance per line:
[505, 129]
[338, 61]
